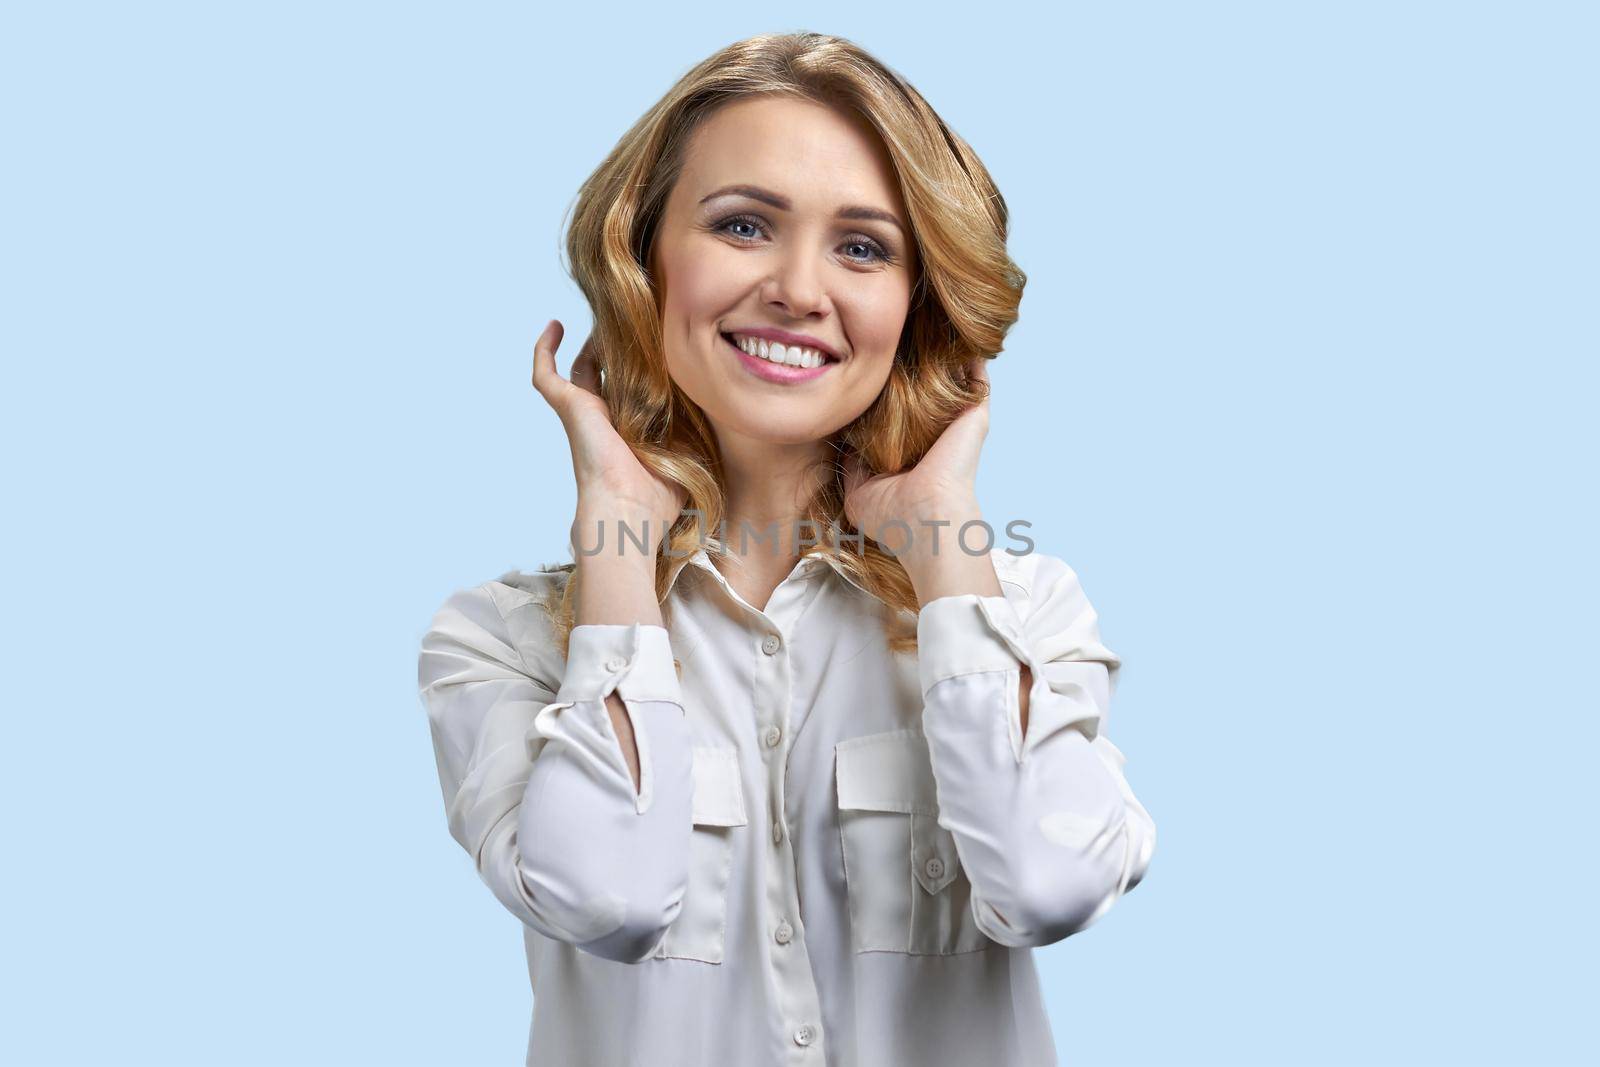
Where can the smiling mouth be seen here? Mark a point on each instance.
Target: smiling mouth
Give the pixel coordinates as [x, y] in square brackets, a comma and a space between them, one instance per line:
[827, 358]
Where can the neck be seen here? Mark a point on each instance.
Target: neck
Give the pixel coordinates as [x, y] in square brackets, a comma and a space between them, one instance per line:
[768, 487]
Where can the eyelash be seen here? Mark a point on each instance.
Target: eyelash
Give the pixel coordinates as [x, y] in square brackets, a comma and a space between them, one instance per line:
[883, 254]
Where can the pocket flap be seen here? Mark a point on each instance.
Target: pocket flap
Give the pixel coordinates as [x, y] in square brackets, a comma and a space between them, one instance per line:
[933, 853]
[886, 772]
[718, 795]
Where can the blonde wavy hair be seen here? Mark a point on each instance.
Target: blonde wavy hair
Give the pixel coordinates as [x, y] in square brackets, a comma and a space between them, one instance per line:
[964, 301]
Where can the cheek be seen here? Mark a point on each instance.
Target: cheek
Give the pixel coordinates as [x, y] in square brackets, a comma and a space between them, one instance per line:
[702, 285]
[875, 317]
[688, 293]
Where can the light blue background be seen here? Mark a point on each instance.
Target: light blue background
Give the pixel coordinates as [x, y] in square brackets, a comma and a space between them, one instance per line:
[1303, 388]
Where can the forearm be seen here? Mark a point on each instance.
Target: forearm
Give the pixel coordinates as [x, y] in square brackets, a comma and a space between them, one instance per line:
[617, 579]
[616, 586]
[604, 843]
[1044, 821]
[615, 877]
[938, 566]
[1042, 841]
[607, 872]
[535, 787]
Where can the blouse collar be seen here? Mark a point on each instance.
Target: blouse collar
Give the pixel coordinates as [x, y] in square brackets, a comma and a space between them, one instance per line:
[807, 567]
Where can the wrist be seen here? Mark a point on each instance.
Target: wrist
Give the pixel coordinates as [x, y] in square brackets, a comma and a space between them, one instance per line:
[933, 531]
[952, 573]
[608, 502]
[937, 559]
[613, 535]
[614, 587]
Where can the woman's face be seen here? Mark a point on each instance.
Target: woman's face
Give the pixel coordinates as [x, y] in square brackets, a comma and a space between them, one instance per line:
[786, 220]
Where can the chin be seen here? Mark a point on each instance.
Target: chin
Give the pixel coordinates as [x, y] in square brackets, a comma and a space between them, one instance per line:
[777, 431]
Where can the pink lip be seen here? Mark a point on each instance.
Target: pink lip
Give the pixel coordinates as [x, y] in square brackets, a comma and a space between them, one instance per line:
[773, 372]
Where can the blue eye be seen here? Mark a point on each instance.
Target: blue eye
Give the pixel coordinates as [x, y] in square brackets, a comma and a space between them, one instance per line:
[726, 226]
[871, 246]
[876, 253]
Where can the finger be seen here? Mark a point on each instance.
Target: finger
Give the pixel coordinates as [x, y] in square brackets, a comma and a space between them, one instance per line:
[545, 377]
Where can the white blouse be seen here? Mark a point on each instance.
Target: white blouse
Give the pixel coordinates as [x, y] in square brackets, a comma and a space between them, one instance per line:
[837, 855]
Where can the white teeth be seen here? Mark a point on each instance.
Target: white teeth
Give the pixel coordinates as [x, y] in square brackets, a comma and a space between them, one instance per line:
[775, 352]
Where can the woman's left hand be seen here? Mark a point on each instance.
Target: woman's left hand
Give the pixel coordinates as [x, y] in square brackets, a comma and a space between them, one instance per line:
[941, 486]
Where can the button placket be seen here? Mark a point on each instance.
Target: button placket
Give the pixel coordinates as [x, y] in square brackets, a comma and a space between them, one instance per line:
[770, 645]
[770, 708]
[769, 712]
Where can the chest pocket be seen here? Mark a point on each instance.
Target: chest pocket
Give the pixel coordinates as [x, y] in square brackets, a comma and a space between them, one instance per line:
[906, 888]
[698, 931]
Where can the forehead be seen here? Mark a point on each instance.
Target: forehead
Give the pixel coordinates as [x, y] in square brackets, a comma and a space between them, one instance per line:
[807, 151]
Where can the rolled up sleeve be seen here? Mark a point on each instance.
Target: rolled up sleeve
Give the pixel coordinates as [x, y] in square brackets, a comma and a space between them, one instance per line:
[1045, 823]
[535, 785]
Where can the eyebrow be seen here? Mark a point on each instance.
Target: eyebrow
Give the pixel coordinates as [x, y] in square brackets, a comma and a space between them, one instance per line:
[767, 196]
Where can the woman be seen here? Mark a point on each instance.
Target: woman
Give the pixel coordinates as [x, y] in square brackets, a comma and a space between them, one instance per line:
[809, 799]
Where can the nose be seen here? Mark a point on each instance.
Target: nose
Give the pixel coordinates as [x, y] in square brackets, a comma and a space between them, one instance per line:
[796, 285]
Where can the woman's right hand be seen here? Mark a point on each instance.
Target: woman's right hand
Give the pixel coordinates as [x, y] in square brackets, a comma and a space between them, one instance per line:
[612, 483]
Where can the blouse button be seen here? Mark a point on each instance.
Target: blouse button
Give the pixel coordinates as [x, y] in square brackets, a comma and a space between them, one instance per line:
[934, 867]
[772, 736]
[616, 663]
[777, 831]
[769, 644]
[805, 1034]
[783, 933]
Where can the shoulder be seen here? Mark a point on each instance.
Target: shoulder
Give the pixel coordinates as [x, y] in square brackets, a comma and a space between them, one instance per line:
[1033, 574]
[1056, 612]
[510, 592]
[508, 612]
[1050, 598]
[516, 590]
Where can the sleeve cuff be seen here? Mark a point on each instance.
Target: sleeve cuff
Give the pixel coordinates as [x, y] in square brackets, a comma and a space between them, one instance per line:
[966, 634]
[632, 660]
